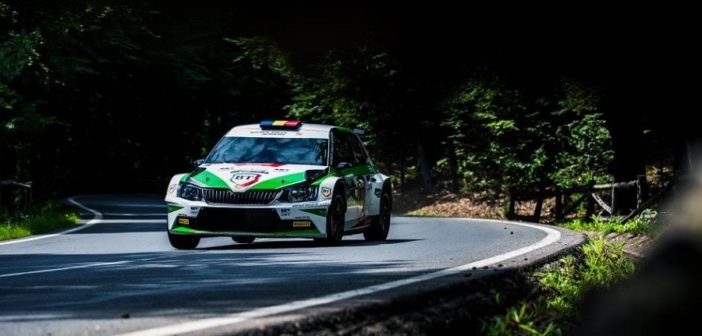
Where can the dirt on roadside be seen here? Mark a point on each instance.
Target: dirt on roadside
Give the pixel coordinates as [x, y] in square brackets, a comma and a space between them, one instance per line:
[447, 204]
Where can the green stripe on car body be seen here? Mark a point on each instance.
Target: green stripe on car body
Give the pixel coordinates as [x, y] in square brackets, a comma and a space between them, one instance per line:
[344, 129]
[322, 179]
[357, 170]
[280, 182]
[210, 180]
[173, 207]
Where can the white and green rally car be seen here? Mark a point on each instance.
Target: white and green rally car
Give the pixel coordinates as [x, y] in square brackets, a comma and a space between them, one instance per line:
[281, 179]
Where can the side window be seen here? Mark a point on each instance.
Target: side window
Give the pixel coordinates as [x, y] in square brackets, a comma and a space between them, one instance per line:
[342, 150]
[359, 154]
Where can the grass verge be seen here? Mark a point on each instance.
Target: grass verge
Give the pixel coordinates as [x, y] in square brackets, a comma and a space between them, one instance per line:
[44, 217]
[641, 225]
[563, 284]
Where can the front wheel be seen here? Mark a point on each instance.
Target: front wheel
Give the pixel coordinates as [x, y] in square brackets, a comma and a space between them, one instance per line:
[335, 221]
[183, 242]
[380, 225]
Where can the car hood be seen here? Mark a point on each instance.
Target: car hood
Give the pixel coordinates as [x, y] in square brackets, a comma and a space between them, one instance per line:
[241, 177]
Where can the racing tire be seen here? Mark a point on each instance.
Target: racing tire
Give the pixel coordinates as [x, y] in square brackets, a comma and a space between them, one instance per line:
[183, 242]
[243, 239]
[379, 225]
[335, 222]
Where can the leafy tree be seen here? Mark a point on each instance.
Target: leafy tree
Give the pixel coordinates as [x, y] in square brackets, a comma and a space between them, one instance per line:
[507, 143]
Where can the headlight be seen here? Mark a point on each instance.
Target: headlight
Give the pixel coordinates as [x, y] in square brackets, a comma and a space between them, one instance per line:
[300, 193]
[189, 192]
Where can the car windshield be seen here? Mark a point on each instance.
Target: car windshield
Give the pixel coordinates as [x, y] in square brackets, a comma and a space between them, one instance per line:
[270, 150]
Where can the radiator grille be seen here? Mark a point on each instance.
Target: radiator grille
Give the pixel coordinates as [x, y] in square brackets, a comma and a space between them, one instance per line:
[222, 196]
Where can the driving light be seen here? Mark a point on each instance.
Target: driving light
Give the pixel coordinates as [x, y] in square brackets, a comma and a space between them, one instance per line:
[189, 192]
[300, 193]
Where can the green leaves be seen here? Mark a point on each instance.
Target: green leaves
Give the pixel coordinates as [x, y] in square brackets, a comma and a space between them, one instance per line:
[562, 286]
[504, 141]
[17, 53]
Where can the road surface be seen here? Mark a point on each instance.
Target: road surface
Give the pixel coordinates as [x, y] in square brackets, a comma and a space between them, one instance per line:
[118, 274]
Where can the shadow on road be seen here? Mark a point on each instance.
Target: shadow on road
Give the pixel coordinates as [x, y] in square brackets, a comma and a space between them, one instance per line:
[285, 244]
[170, 284]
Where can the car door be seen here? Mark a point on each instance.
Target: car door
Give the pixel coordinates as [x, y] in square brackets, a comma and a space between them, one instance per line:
[343, 164]
[362, 172]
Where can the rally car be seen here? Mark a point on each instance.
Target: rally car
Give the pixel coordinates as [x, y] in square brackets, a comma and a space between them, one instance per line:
[281, 179]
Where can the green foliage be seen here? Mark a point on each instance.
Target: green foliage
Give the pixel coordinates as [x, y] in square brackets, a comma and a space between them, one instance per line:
[604, 264]
[112, 84]
[642, 224]
[41, 218]
[506, 142]
[520, 320]
[563, 285]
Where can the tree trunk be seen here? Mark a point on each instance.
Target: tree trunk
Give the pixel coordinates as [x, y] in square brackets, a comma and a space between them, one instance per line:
[453, 166]
[642, 190]
[539, 205]
[424, 167]
[511, 205]
[589, 206]
[403, 170]
[626, 129]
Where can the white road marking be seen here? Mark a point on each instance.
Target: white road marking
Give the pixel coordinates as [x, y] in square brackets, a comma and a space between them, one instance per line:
[97, 218]
[552, 236]
[66, 268]
[209, 323]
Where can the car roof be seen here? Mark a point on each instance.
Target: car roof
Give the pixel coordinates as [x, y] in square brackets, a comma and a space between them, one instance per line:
[305, 130]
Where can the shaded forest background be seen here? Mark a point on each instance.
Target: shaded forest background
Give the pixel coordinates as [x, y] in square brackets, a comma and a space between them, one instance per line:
[104, 96]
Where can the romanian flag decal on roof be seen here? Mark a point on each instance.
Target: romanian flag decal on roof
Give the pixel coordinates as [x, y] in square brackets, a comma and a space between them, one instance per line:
[280, 124]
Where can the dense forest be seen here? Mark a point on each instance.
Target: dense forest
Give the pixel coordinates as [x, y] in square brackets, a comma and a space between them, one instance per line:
[107, 96]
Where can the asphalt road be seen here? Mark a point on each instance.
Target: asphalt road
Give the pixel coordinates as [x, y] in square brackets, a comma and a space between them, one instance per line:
[119, 274]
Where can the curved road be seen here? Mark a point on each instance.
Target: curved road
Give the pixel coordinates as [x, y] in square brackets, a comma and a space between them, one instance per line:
[118, 274]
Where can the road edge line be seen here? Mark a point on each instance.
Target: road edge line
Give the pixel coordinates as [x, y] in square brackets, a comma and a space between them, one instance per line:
[97, 218]
[552, 236]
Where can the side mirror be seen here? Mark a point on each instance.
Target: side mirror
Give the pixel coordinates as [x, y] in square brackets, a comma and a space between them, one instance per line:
[198, 162]
[343, 165]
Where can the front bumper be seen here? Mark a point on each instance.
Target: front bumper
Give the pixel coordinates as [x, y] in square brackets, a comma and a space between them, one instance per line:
[304, 220]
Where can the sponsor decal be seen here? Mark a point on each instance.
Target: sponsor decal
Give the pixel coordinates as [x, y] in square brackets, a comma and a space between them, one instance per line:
[183, 221]
[281, 170]
[299, 224]
[285, 212]
[172, 189]
[251, 171]
[267, 164]
[273, 132]
[326, 192]
[302, 217]
[243, 180]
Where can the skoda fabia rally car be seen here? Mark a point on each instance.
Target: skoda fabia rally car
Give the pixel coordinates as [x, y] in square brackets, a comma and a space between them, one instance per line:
[281, 179]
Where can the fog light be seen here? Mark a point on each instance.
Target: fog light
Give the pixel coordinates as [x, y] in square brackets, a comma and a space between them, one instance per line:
[183, 221]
